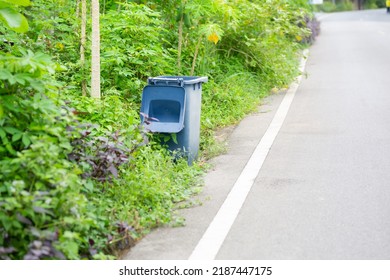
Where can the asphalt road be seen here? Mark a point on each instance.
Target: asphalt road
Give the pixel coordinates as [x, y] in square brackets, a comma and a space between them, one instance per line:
[323, 191]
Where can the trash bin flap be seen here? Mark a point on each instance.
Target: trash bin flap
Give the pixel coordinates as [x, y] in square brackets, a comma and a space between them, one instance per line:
[163, 108]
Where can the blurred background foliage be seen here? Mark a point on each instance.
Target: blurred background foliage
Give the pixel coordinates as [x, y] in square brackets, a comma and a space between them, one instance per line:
[348, 5]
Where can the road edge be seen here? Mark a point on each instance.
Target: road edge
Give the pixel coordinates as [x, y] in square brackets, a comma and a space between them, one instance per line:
[214, 236]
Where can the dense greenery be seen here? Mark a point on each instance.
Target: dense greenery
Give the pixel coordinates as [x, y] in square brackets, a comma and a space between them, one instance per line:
[348, 5]
[79, 177]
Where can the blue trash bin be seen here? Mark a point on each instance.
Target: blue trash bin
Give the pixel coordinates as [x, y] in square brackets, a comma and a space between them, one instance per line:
[172, 104]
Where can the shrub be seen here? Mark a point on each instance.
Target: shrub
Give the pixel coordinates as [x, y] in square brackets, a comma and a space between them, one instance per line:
[44, 210]
[148, 183]
[344, 6]
[314, 26]
[327, 7]
[132, 49]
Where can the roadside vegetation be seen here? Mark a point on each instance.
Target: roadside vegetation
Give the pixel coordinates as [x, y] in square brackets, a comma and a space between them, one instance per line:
[79, 177]
[330, 6]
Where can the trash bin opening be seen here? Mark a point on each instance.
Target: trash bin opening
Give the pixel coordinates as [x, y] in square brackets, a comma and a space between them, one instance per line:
[168, 111]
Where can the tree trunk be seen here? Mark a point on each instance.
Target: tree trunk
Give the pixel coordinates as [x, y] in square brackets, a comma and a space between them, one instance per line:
[77, 9]
[82, 45]
[95, 65]
[195, 56]
[358, 4]
[180, 45]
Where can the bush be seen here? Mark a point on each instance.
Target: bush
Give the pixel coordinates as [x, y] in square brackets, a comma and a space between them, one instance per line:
[44, 209]
[380, 3]
[327, 7]
[132, 49]
[143, 189]
[314, 26]
[344, 6]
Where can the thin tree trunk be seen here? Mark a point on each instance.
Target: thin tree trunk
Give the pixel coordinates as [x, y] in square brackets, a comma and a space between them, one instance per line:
[181, 27]
[358, 4]
[95, 77]
[195, 56]
[83, 43]
[119, 7]
[180, 44]
[77, 9]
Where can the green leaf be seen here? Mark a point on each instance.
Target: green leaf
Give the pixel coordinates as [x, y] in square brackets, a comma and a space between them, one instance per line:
[21, 78]
[69, 234]
[14, 20]
[5, 74]
[174, 138]
[11, 130]
[16, 137]
[2, 133]
[69, 248]
[37, 85]
[24, 3]
[26, 140]
[70, 220]
[10, 149]
[12, 80]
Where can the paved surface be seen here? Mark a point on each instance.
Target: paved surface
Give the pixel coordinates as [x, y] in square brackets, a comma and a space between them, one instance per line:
[324, 189]
[178, 243]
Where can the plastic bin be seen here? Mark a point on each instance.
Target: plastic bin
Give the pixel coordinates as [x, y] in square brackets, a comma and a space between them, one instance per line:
[172, 104]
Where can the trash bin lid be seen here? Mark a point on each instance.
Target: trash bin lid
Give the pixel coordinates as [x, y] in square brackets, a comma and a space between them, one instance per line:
[176, 80]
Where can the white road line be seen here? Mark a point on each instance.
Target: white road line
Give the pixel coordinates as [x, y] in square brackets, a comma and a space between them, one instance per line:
[213, 238]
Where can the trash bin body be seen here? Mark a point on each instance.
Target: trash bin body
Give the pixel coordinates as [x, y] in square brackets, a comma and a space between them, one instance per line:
[172, 105]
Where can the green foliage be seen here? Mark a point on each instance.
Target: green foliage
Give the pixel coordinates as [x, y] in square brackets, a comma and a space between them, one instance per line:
[150, 182]
[229, 93]
[23, 89]
[132, 48]
[152, 186]
[266, 41]
[43, 208]
[373, 4]
[329, 6]
[11, 17]
[378, 3]
[344, 6]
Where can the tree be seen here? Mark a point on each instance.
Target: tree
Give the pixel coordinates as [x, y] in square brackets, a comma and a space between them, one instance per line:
[83, 43]
[359, 4]
[95, 65]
